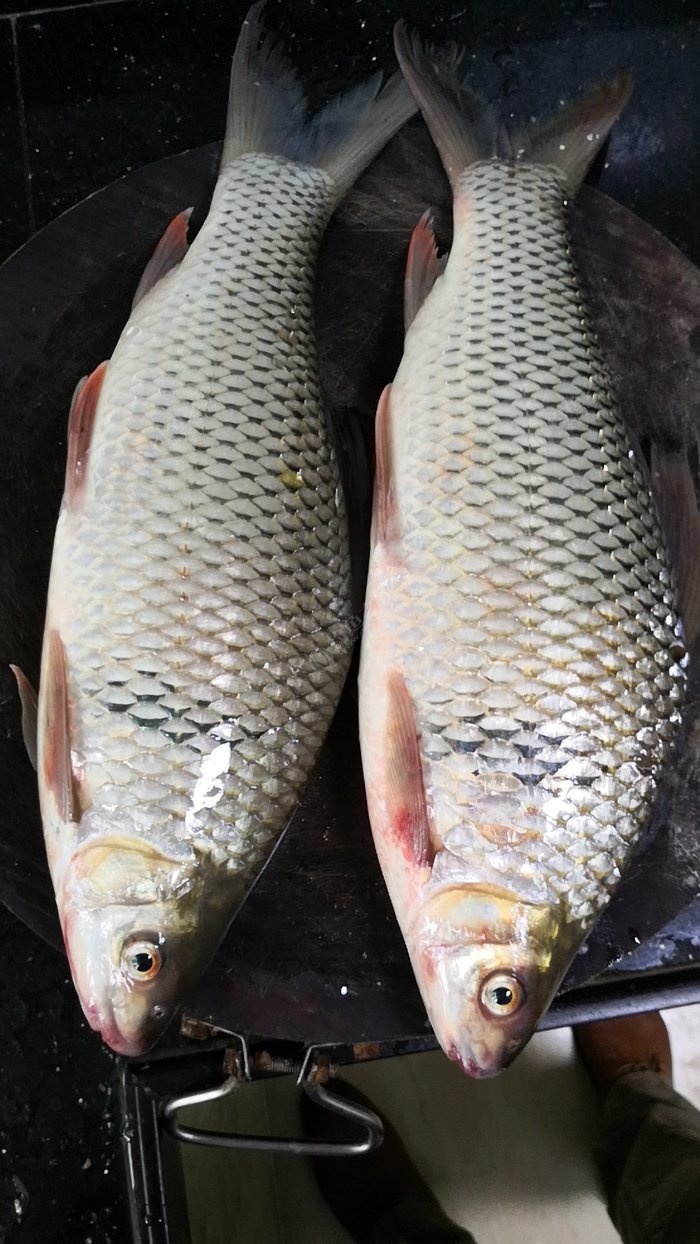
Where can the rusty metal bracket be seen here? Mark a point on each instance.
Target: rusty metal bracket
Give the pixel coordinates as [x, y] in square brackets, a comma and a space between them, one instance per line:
[312, 1076]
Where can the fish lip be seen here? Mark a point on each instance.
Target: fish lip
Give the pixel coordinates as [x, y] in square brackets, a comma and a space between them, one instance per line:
[469, 1065]
[112, 1035]
[119, 1044]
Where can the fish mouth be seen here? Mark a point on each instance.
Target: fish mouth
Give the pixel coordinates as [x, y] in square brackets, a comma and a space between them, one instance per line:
[481, 1070]
[130, 1045]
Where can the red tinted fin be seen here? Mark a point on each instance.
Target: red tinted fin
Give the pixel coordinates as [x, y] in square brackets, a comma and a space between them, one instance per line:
[405, 789]
[169, 252]
[384, 516]
[81, 422]
[423, 267]
[28, 698]
[57, 766]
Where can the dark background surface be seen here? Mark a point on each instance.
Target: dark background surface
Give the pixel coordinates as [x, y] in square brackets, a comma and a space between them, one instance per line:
[89, 92]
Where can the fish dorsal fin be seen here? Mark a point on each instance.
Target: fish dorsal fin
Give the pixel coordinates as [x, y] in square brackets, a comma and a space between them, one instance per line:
[423, 267]
[676, 501]
[405, 789]
[81, 422]
[28, 700]
[384, 524]
[57, 767]
[169, 252]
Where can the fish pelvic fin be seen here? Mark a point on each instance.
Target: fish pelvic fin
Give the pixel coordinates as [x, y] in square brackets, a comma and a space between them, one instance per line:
[465, 128]
[55, 728]
[268, 112]
[407, 805]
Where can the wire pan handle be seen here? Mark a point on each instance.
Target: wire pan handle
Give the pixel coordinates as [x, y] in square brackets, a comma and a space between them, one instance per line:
[314, 1072]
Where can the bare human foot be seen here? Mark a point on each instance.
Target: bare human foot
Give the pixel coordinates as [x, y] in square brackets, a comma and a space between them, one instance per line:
[610, 1048]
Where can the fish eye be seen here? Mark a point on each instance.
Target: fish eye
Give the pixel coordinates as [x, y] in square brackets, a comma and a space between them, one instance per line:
[502, 994]
[142, 958]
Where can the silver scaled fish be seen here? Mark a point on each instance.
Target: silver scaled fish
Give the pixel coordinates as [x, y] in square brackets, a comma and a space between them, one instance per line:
[522, 666]
[198, 627]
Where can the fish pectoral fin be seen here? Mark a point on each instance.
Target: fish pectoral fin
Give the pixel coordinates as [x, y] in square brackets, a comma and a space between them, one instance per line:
[28, 699]
[169, 253]
[81, 422]
[58, 772]
[384, 525]
[674, 491]
[423, 267]
[405, 789]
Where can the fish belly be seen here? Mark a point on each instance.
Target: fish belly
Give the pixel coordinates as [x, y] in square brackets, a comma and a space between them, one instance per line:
[523, 593]
[200, 584]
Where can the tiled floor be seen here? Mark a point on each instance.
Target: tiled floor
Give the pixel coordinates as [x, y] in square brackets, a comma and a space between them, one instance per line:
[509, 1158]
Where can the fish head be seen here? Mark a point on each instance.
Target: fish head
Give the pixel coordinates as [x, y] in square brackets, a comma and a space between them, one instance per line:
[488, 964]
[136, 937]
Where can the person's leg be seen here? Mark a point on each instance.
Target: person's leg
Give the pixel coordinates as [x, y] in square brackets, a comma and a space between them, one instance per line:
[379, 1198]
[648, 1151]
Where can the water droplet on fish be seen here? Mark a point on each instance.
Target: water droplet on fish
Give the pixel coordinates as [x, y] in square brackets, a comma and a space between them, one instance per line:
[635, 936]
[562, 146]
[343, 990]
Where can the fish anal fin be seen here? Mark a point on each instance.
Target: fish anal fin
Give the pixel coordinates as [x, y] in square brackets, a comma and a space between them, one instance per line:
[405, 788]
[57, 768]
[81, 422]
[423, 267]
[28, 699]
[385, 522]
[169, 252]
[673, 487]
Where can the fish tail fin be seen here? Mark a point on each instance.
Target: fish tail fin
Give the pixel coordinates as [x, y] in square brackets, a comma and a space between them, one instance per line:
[466, 129]
[572, 138]
[267, 111]
[463, 126]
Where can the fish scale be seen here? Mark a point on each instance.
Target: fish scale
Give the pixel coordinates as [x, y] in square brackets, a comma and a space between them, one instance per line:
[566, 485]
[176, 648]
